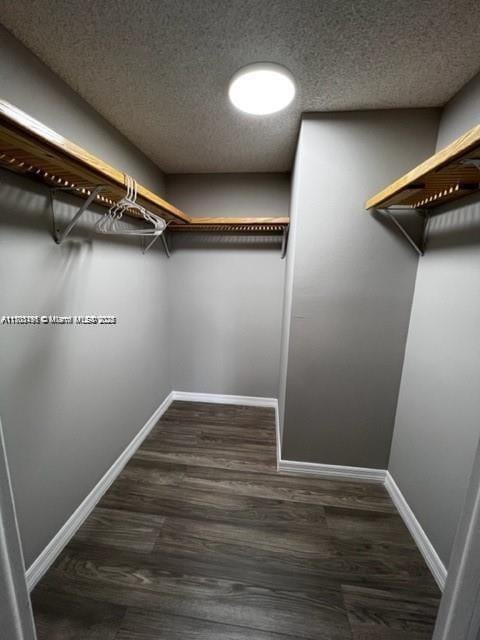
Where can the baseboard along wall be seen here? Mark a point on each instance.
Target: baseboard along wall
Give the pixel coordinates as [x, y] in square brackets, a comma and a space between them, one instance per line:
[333, 471]
[48, 556]
[431, 557]
[215, 398]
[44, 561]
[426, 548]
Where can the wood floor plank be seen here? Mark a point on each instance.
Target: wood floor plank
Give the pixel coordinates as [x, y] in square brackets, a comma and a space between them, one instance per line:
[138, 580]
[309, 558]
[141, 624]
[59, 616]
[222, 414]
[148, 474]
[256, 462]
[290, 488]
[174, 561]
[200, 537]
[256, 433]
[406, 566]
[403, 614]
[179, 501]
[201, 439]
[210, 435]
[203, 434]
[197, 537]
[377, 526]
[124, 529]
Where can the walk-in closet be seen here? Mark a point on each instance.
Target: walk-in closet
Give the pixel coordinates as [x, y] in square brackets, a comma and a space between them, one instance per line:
[239, 316]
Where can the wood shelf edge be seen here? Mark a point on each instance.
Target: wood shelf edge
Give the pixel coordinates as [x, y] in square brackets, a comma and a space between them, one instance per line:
[238, 221]
[44, 143]
[35, 130]
[456, 149]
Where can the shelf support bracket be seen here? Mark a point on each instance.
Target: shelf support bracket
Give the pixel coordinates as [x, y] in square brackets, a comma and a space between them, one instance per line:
[471, 162]
[418, 247]
[284, 242]
[164, 242]
[60, 235]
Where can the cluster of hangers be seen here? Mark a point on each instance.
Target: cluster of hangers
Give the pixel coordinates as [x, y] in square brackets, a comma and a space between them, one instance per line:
[113, 223]
[110, 222]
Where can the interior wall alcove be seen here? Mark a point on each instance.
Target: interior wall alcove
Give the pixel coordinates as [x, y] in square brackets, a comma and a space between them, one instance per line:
[289, 386]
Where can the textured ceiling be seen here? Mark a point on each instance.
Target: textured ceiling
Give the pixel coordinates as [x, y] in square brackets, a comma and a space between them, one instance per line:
[159, 69]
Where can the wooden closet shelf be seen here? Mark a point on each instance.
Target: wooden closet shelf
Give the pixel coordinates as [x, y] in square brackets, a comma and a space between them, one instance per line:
[446, 176]
[234, 225]
[30, 148]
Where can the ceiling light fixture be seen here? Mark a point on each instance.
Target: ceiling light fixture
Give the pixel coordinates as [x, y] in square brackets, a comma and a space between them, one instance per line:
[262, 88]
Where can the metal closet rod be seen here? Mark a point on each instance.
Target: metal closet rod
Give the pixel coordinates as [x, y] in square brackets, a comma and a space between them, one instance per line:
[60, 236]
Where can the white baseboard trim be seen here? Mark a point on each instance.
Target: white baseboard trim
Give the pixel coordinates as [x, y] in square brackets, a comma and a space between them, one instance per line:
[48, 556]
[278, 435]
[250, 401]
[41, 565]
[333, 470]
[215, 398]
[431, 557]
[422, 541]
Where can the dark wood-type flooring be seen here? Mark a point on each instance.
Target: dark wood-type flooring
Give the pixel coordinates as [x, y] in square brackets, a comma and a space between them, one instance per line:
[201, 539]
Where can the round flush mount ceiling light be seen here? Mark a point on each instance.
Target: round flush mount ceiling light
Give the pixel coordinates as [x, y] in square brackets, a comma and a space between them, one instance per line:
[262, 88]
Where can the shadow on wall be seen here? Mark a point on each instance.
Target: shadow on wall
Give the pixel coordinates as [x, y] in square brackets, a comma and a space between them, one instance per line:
[447, 228]
[450, 229]
[237, 241]
[26, 205]
[410, 221]
[28, 211]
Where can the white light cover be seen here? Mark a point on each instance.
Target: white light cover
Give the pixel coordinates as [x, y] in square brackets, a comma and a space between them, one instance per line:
[262, 88]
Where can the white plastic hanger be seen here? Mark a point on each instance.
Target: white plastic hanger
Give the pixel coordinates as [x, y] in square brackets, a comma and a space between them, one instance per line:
[109, 223]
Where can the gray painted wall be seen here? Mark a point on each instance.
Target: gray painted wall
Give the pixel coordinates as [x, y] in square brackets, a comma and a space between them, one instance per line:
[226, 294]
[460, 114]
[30, 85]
[288, 295]
[352, 285]
[16, 619]
[437, 425]
[72, 398]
